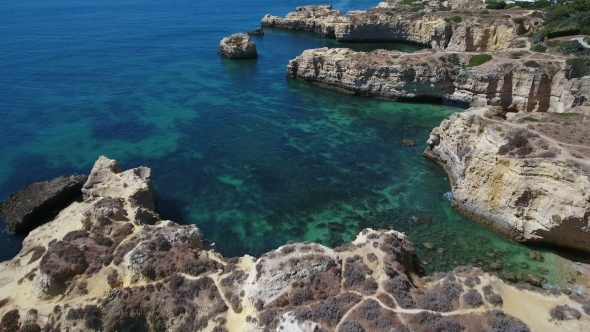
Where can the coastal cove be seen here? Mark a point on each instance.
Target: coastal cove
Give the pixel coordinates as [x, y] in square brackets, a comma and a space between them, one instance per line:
[250, 157]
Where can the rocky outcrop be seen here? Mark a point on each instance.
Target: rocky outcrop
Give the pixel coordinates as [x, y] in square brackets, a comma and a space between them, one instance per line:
[514, 178]
[398, 22]
[256, 32]
[25, 210]
[238, 46]
[515, 84]
[97, 267]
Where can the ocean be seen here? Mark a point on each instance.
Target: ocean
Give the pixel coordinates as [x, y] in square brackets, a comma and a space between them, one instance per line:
[252, 158]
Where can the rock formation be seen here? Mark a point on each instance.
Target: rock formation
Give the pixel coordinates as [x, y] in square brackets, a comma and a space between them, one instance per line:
[256, 32]
[238, 46]
[515, 84]
[529, 182]
[98, 266]
[25, 210]
[432, 24]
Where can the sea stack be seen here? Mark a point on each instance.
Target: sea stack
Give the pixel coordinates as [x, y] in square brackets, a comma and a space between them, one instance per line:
[238, 46]
[256, 32]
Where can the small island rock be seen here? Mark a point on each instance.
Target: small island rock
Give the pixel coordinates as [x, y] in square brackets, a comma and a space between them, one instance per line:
[238, 46]
[256, 32]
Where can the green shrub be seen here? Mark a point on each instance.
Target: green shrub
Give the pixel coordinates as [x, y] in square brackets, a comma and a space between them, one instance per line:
[579, 67]
[532, 64]
[540, 36]
[517, 55]
[448, 20]
[539, 48]
[506, 16]
[587, 40]
[563, 33]
[485, 12]
[566, 114]
[528, 119]
[455, 60]
[518, 20]
[496, 5]
[456, 19]
[570, 47]
[479, 59]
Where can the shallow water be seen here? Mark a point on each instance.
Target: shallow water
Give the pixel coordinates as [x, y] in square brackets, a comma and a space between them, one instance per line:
[252, 158]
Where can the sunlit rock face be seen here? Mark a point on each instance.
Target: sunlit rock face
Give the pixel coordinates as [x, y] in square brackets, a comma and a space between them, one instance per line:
[97, 266]
[532, 86]
[238, 46]
[514, 178]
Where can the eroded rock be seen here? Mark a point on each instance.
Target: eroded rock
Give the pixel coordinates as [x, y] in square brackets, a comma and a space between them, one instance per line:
[29, 207]
[238, 46]
[102, 270]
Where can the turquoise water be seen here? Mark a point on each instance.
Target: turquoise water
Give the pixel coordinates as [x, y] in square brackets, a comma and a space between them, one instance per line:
[253, 159]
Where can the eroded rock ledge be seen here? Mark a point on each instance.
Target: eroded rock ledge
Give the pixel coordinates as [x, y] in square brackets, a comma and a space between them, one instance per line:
[109, 263]
[539, 84]
[526, 177]
[394, 21]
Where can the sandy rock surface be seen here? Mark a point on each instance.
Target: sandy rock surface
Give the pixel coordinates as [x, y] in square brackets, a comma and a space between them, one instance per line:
[513, 177]
[96, 266]
[238, 46]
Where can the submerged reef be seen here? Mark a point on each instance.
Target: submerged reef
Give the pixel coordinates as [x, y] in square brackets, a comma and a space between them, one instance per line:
[101, 264]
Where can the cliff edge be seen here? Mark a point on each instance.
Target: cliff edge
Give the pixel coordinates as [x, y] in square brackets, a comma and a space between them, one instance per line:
[110, 263]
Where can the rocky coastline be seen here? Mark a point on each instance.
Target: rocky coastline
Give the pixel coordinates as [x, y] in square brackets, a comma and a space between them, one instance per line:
[532, 85]
[526, 179]
[514, 166]
[395, 21]
[101, 265]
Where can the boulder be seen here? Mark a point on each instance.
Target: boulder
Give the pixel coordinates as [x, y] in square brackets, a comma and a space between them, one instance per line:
[26, 209]
[238, 46]
[256, 32]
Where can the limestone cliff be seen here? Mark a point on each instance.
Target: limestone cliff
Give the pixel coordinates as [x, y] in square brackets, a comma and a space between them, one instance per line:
[397, 22]
[517, 178]
[515, 84]
[110, 264]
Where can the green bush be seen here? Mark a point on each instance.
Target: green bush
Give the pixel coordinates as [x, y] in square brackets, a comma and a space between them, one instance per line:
[456, 19]
[540, 36]
[485, 12]
[448, 20]
[496, 5]
[528, 119]
[579, 67]
[539, 48]
[532, 64]
[479, 59]
[455, 60]
[570, 47]
[517, 55]
[518, 20]
[587, 40]
[563, 33]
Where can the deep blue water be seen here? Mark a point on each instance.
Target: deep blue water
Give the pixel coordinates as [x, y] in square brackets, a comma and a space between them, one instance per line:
[250, 157]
